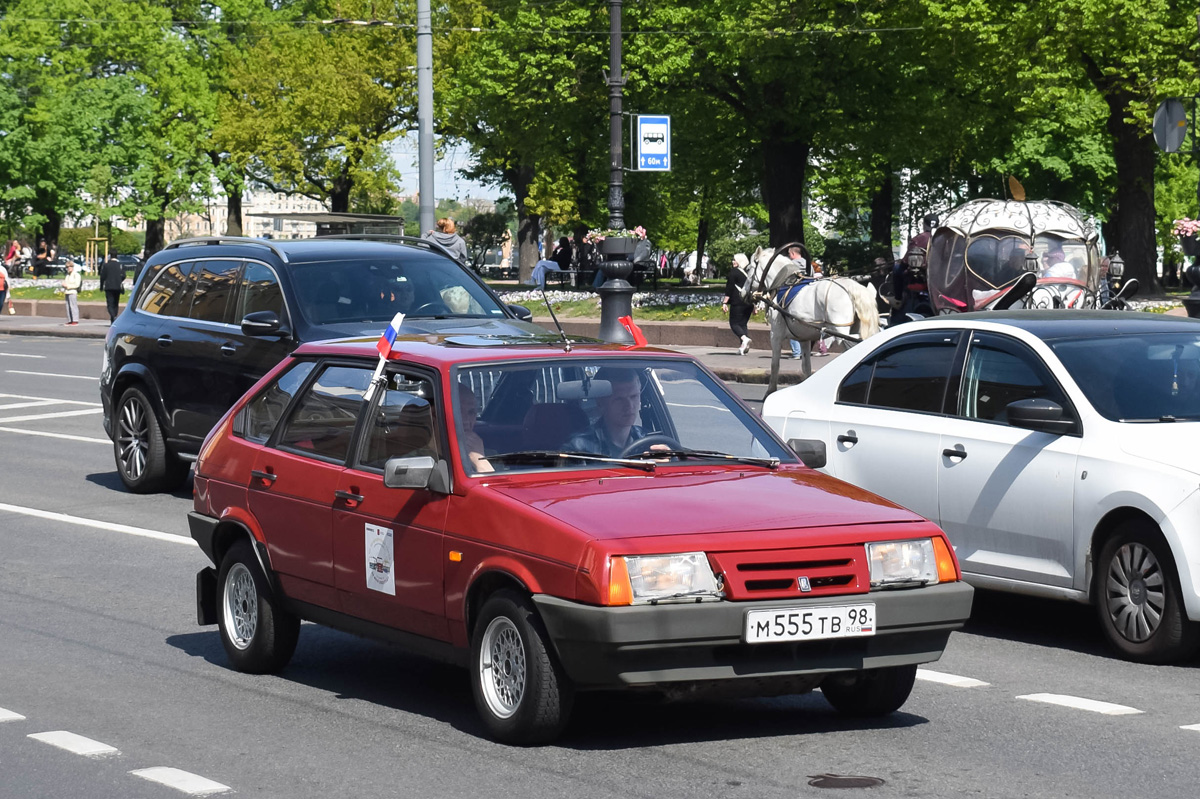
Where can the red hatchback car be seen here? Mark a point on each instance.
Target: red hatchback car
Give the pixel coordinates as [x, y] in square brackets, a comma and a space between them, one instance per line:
[558, 518]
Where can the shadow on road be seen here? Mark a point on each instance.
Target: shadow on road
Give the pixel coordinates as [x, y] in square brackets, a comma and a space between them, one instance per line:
[112, 481]
[355, 668]
[1042, 622]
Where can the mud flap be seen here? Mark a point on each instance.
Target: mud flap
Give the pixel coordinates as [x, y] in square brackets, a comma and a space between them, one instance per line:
[206, 596]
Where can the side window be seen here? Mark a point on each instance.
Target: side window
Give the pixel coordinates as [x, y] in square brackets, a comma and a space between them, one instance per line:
[402, 423]
[913, 377]
[322, 423]
[171, 293]
[260, 292]
[214, 283]
[257, 419]
[998, 372]
[854, 387]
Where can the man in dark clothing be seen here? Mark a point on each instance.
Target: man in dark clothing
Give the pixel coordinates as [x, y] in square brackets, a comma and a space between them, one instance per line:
[112, 279]
[562, 254]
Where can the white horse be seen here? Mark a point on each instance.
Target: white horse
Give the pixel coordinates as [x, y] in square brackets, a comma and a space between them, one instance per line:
[836, 304]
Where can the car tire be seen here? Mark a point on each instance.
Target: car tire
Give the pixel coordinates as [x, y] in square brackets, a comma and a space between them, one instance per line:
[258, 635]
[872, 692]
[1138, 599]
[144, 463]
[519, 687]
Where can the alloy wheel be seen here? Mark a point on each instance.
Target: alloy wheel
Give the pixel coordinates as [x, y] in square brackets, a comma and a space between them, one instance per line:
[502, 667]
[241, 606]
[133, 438]
[1136, 592]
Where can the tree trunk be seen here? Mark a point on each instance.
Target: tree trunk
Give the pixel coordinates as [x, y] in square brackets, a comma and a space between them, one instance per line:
[786, 163]
[702, 237]
[883, 215]
[233, 220]
[528, 225]
[339, 196]
[1134, 153]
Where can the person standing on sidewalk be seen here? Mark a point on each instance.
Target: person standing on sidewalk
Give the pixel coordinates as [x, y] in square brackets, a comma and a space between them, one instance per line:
[112, 280]
[3, 286]
[735, 305]
[71, 284]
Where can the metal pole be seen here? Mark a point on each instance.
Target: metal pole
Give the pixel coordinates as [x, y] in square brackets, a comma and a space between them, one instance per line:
[425, 115]
[616, 193]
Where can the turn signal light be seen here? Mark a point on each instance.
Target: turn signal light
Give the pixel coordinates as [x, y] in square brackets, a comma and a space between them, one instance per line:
[620, 591]
[947, 570]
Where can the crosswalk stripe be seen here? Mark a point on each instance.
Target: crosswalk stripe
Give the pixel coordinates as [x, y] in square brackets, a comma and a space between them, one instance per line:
[8, 715]
[1078, 702]
[185, 781]
[47, 434]
[51, 374]
[50, 399]
[75, 744]
[39, 416]
[949, 679]
[116, 528]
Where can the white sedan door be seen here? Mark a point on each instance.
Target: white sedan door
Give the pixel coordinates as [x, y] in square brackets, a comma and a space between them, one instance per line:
[1005, 493]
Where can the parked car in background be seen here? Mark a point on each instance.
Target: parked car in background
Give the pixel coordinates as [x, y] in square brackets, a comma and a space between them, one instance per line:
[1057, 449]
[468, 510]
[208, 317]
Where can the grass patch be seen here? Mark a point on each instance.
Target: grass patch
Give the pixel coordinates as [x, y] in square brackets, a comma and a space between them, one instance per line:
[49, 293]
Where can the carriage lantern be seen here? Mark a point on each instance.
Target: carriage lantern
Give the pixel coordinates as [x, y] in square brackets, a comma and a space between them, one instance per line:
[1116, 266]
[1031, 262]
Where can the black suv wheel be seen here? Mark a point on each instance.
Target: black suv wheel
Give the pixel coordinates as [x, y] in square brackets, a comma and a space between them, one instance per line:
[145, 464]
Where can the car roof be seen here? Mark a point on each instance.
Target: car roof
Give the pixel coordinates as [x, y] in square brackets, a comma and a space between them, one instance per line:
[1050, 325]
[296, 251]
[449, 350]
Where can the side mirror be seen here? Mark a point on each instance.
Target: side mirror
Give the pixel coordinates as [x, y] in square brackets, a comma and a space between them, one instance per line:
[811, 451]
[418, 472]
[1039, 414]
[521, 312]
[263, 323]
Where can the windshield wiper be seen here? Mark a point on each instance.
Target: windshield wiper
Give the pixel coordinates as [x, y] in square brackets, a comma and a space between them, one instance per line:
[535, 455]
[770, 463]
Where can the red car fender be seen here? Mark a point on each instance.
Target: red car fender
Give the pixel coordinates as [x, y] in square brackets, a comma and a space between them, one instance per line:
[245, 519]
[500, 565]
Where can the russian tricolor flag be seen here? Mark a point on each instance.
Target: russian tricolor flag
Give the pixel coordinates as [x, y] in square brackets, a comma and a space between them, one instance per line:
[388, 339]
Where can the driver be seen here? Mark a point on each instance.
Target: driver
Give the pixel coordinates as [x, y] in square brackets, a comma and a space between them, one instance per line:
[615, 428]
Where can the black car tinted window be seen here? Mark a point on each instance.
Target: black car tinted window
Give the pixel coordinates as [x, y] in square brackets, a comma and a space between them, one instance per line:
[258, 418]
[259, 291]
[998, 371]
[214, 282]
[171, 293]
[854, 387]
[322, 423]
[913, 377]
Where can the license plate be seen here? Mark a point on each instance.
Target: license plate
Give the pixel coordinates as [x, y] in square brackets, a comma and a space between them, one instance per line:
[810, 623]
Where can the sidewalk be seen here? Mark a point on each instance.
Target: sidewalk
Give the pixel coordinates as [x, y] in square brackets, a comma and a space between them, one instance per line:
[711, 343]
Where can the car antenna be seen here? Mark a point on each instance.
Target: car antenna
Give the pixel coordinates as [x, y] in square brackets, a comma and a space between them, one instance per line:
[549, 307]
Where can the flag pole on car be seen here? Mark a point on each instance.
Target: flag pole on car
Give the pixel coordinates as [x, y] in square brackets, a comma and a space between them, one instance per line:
[386, 342]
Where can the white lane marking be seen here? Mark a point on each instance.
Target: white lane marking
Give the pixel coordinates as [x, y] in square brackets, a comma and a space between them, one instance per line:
[54, 435]
[18, 355]
[192, 784]
[116, 528]
[949, 679]
[52, 399]
[1195, 727]
[51, 374]
[35, 417]
[30, 404]
[76, 744]
[8, 715]
[1079, 703]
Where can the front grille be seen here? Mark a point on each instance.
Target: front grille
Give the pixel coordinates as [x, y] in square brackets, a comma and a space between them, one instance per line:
[830, 571]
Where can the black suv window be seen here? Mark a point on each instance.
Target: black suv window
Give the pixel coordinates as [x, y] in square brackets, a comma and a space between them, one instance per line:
[322, 423]
[911, 375]
[260, 291]
[258, 418]
[214, 282]
[171, 294]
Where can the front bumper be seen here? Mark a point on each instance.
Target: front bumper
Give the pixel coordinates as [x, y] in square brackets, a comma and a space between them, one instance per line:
[653, 645]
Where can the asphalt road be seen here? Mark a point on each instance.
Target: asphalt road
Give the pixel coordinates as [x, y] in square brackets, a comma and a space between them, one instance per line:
[98, 638]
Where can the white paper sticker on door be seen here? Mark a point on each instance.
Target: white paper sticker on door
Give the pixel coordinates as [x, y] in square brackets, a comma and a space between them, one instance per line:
[381, 575]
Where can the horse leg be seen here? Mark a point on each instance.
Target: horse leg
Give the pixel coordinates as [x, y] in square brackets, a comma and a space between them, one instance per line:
[806, 362]
[778, 326]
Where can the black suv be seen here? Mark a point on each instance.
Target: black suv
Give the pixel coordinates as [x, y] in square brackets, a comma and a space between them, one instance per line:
[209, 316]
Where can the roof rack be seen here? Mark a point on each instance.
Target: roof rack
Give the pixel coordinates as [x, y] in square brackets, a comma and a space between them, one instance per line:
[391, 238]
[198, 240]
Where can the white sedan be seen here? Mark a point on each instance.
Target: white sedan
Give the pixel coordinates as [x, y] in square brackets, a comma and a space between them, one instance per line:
[1059, 450]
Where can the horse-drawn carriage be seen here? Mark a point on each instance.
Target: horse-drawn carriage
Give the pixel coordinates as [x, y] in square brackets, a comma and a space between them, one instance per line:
[995, 254]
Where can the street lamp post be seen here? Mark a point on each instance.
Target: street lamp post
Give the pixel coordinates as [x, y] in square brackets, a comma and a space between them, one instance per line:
[616, 295]
[425, 115]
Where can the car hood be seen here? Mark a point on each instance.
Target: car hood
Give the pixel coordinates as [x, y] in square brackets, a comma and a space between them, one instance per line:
[498, 326]
[683, 501]
[1170, 443]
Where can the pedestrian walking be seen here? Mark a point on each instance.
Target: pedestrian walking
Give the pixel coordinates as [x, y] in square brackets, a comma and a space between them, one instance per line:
[447, 236]
[734, 304]
[112, 280]
[4, 287]
[70, 285]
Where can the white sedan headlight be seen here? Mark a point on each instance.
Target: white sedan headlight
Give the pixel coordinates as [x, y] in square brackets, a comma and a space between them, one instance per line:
[901, 563]
[655, 578]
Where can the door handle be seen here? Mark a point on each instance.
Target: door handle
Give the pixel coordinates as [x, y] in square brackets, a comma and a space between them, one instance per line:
[228, 349]
[266, 477]
[848, 438]
[164, 341]
[954, 453]
[350, 497]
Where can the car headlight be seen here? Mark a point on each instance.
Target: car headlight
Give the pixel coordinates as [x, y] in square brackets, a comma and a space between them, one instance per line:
[906, 563]
[641, 579]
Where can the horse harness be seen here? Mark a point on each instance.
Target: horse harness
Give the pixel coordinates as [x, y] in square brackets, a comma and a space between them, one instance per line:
[788, 291]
